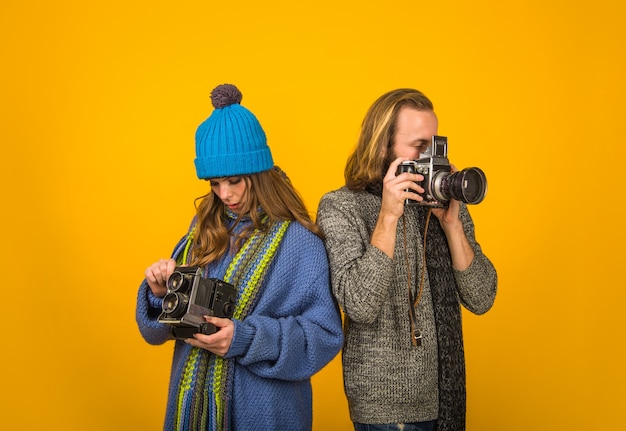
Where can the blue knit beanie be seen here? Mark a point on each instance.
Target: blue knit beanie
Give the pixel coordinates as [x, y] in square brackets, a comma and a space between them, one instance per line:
[231, 141]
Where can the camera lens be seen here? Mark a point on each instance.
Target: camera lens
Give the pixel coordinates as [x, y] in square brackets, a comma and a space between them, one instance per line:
[175, 304]
[176, 281]
[468, 185]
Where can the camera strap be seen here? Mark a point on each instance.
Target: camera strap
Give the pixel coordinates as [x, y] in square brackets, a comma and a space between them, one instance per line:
[416, 335]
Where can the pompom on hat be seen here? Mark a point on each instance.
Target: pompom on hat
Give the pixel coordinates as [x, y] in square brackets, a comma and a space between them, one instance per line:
[231, 141]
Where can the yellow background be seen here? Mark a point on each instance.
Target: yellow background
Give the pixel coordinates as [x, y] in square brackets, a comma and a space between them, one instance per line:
[100, 101]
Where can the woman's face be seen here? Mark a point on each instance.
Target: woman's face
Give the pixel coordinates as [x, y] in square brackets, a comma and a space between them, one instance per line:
[231, 191]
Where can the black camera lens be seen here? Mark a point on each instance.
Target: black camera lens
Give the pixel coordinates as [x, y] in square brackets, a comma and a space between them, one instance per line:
[176, 281]
[175, 304]
[468, 185]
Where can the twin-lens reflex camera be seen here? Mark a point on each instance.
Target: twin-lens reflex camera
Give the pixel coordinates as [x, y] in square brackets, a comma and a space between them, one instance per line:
[190, 297]
[440, 184]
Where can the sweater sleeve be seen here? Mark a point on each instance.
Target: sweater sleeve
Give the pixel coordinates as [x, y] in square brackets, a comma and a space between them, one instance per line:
[477, 284]
[147, 313]
[295, 329]
[361, 273]
[149, 307]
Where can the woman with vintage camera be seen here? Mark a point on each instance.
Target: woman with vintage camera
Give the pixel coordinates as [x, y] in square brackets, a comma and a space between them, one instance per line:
[252, 231]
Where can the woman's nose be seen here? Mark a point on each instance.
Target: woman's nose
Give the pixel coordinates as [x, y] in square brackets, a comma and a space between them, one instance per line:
[224, 192]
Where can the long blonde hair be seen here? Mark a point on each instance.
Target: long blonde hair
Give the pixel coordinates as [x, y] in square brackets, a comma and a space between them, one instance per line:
[270, 197]
[371, 157]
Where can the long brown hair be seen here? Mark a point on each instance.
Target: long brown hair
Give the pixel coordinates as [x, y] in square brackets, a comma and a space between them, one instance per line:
[370, 160]
[270, 197]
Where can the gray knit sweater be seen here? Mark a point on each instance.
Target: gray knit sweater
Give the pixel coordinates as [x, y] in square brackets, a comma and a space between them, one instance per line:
[386, 378]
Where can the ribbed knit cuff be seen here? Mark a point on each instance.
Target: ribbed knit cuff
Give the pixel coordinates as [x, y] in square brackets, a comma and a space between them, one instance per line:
[154, 301]
[242, 337]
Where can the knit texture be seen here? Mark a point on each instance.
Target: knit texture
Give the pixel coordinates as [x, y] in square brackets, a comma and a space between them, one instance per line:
[204, 392]
[231, 140]
[291, 330]
[387, 379]
[443, 289]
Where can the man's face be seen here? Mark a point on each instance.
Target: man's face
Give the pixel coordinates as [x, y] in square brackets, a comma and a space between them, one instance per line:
[414, 131]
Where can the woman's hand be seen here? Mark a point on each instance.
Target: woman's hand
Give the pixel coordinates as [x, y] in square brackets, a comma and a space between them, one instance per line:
[217, 343]
[157, 275]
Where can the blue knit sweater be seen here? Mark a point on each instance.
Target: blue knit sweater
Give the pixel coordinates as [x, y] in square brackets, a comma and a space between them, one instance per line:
[294, 331]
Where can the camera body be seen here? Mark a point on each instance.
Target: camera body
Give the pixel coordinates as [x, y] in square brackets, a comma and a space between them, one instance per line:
[190, 297]
[440, 184]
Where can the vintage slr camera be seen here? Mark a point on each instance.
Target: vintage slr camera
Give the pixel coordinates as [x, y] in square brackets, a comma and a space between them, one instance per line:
[439, 183]
[190, 297]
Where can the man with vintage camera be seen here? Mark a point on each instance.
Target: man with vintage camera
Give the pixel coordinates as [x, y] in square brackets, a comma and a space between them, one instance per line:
[401, 275]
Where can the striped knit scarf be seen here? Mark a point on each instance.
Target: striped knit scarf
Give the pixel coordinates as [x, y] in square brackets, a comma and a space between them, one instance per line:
[206, 382]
